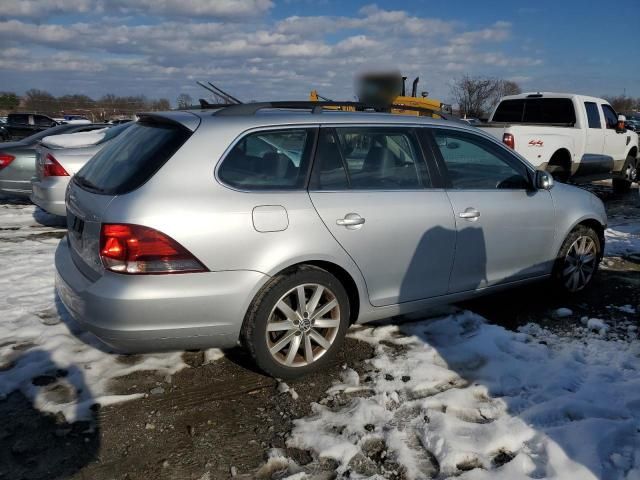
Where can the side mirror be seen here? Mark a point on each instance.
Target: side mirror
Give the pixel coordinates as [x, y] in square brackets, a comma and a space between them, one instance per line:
[620, 127]
[543, 180]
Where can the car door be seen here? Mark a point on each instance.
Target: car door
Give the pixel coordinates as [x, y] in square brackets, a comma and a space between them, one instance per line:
[372, 189]
[615, 142]
[505, 228]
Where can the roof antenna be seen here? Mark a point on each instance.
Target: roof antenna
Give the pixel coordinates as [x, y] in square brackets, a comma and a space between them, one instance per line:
[218, 92]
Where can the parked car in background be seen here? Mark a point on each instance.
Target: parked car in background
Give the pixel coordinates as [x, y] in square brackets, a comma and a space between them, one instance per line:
[574, 137]
[633, 125]
[17, 159]
[22, 125]
[279, 229]
[58, 158]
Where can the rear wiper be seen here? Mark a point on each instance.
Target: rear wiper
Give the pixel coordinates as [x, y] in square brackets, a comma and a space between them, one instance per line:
[87, 184]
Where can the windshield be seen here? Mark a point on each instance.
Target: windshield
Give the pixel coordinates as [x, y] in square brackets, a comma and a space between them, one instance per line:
[57, 130]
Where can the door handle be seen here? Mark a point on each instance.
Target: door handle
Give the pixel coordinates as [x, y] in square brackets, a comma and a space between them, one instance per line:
[351, 221]
[470, 214]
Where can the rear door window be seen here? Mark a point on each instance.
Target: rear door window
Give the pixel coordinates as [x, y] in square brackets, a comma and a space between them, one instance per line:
[369, 158]
[593, 115]
[132, 158]
[269, 160]
[42, 121]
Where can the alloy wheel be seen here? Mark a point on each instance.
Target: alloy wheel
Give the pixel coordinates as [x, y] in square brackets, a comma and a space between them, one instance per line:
[303, 325]
[579, 263]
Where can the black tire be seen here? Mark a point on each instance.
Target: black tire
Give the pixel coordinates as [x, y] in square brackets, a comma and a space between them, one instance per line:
[561, 269]
[621, 185]
[254, 330]
[559, 167]
[629, 175]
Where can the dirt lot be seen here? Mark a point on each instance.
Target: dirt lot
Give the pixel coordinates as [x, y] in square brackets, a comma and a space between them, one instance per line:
[220, 419]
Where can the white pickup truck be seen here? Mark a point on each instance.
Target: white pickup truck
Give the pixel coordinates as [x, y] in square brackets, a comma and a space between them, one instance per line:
[576, 138]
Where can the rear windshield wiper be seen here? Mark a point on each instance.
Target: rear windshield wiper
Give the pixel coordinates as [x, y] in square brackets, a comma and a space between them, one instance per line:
[83, 182]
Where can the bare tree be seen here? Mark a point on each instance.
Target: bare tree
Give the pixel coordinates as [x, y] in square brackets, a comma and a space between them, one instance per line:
[476, 95]
[184, 100]
[622, 103]
[502, 89]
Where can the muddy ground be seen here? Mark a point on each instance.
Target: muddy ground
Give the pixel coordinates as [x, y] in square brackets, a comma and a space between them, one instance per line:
[221, 419]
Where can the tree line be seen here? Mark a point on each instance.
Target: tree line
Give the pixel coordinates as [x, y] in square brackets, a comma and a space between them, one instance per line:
[104, 108]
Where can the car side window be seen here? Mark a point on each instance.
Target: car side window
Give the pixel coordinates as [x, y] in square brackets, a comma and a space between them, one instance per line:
[42, 121]
[269, 160]
[369, 158]
[475, 163]
[593, 115]
[610, 116]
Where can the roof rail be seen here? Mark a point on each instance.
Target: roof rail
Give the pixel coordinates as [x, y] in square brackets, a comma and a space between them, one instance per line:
[315, 107]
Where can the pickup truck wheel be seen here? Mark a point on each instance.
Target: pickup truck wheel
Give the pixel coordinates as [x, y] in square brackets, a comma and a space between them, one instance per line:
[560, 167]
[578, 260]
[629, 175]
[297, 322]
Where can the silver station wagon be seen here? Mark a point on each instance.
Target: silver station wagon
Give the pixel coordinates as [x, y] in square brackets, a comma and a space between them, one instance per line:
[277, 228]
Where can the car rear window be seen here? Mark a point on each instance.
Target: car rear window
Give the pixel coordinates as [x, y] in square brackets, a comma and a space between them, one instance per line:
[132, 158]
[536, 110]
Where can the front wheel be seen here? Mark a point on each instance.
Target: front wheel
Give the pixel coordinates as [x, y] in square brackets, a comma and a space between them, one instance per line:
[578, 260]
[297, 323]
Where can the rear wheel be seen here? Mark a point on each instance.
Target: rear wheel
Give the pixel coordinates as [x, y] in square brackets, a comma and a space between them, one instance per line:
[560, 167]
[630, 175]
[297, 323]
[578, 260]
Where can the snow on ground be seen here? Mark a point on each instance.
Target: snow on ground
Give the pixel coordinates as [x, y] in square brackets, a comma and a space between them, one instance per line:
[623, 239]
[456, 393]
[43, 353]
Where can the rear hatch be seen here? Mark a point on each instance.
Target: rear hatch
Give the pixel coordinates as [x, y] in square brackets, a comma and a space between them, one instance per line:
[123, 165]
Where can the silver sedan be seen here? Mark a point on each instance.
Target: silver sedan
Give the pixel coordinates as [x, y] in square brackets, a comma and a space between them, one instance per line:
[278, 229]
[60, 157]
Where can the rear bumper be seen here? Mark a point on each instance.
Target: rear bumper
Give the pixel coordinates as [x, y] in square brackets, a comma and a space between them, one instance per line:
[49, 194]
[157, 312]
[18, 188]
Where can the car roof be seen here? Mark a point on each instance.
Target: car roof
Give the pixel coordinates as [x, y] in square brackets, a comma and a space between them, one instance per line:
[277, 117]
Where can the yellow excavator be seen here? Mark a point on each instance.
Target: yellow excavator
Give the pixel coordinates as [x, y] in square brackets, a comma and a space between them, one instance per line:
[386, 92]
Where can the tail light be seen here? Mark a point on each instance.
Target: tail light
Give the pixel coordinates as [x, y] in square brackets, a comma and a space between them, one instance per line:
[5, 160]
[52, 168]
[135, 249]
[509, 141]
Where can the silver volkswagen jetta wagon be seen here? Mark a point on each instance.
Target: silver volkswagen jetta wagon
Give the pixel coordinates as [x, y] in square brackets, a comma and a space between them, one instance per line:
[278, 228]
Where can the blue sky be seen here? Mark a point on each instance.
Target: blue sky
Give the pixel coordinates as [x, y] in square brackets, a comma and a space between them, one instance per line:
[264, 49]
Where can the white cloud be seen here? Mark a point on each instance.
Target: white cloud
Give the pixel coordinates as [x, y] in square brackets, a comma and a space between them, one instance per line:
[256, 59]
[42, 8]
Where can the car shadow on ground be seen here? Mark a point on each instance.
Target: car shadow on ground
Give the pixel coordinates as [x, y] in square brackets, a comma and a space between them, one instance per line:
[40, 445]
[511, 309]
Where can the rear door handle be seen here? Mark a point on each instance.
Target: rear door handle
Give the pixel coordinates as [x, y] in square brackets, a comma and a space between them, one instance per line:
[351, 220]
[470, 214]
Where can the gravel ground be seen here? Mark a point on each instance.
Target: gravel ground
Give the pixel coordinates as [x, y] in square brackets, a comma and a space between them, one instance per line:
[221, 419]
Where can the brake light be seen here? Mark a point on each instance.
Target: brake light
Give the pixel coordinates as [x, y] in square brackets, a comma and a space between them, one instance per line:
[52, 168]
[135, 249]
[509, 140]
[5, 160]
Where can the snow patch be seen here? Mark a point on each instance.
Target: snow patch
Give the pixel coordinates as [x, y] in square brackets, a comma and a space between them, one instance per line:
[622, 239]
[75, 140]
[464, 398]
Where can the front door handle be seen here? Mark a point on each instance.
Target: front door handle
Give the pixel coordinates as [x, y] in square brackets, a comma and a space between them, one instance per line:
[470, 214]
[351, 220]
